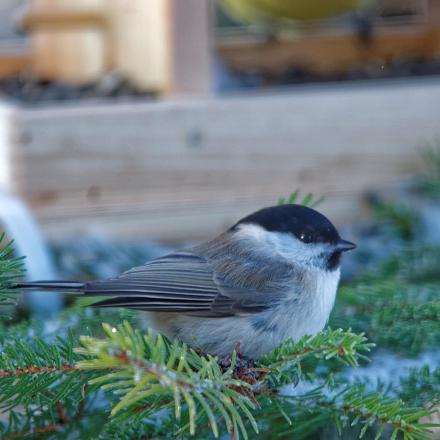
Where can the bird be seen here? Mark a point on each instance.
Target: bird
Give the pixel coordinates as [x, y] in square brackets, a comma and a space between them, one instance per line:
[271, 276]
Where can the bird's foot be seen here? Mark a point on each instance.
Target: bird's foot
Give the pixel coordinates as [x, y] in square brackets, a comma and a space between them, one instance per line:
[244, 369]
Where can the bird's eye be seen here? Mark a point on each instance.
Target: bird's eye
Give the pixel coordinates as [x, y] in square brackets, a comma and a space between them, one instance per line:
[304, 238]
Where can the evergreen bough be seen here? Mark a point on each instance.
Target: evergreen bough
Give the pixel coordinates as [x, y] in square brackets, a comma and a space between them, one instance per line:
[128, 384]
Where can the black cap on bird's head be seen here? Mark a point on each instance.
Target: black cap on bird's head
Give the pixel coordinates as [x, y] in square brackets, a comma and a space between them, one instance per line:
[306, 224]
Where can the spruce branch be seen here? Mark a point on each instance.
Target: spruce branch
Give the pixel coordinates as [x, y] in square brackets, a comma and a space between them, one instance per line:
[370, 408]
[349, 408]
[53, 422]
[285, 363]
[429, 181]
[146, 374]
[421, 387]
[39, 373]
[11, 268]
[307, 200]
[327, 344]
[150, 371]
[394, 313]
[148, 366]
[33, 370]
[33, 432]
[42, 384]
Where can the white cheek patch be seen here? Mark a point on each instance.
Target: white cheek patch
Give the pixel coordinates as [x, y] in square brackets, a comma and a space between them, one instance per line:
[286, 245]
[252, 232]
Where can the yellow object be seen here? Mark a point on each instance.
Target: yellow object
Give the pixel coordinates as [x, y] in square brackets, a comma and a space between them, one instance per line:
[251, 11]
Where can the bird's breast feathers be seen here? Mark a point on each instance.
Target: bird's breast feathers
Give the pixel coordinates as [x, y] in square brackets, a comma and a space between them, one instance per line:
[298, 314]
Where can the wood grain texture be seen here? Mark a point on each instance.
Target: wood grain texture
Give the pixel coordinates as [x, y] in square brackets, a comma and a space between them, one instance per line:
[176, 170]
[332, 50]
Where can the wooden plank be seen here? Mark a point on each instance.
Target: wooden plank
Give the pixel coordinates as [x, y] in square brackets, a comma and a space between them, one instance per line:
[185, 168]
[62, 18]
[69, 42]
[71, 55]
[14, 63]
[329, 51]
[156, 44]
[139, 43]
[190, 39]
[6, 127]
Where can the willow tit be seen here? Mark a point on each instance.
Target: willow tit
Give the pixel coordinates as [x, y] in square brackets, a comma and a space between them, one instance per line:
[271, 276]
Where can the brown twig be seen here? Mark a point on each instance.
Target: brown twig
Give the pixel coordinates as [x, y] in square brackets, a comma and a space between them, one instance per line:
[63, 418]
[82, 402]
[42, 430]
[62, 413]
[37, 370]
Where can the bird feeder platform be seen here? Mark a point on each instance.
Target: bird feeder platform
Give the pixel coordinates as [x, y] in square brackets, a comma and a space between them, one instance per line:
[180, 170]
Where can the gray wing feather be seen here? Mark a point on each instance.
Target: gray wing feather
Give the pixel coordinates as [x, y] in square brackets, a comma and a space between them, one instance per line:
[179, 282]
[197, 283]
[250, 278]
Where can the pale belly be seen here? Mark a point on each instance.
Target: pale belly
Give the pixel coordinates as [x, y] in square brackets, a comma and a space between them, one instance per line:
[257, 334]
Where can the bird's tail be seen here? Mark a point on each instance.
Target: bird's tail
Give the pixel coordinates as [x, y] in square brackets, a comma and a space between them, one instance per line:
[71, 286]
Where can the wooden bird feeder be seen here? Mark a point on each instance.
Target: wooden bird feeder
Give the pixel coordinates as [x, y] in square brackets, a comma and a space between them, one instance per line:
[148, 42]
[327, 48]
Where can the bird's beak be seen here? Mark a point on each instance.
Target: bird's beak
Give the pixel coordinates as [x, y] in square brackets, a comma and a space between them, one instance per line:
[344, 245]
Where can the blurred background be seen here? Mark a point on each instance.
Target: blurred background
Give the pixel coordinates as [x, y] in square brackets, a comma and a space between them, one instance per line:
[130, 127]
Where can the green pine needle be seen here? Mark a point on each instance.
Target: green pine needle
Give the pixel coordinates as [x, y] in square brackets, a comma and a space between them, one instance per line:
[11, 268]
[146, 369]
[151, 387]
[308, 200]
